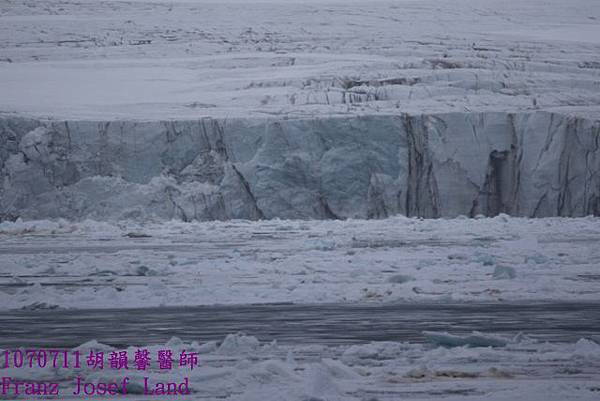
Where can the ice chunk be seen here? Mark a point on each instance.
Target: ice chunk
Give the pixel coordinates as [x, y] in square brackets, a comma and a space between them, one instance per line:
[321, 244]
[485, 259]
[175, 343]
[587, 349]
[536, 258]
[504, 272]
[238, 344]
[94, 345]
[207, 348]
[320, 384]
[338, 370]
[399, 279]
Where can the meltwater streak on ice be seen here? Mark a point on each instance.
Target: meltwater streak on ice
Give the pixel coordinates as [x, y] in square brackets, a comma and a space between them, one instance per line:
[325, 324]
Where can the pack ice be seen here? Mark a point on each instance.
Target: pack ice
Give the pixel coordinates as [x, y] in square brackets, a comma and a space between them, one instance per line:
[430, 165]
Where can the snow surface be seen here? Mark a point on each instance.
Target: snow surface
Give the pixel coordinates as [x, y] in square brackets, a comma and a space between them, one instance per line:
[179, 60]
[107, 265]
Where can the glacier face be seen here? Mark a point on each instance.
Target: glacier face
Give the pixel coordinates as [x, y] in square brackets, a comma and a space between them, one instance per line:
[434, 165]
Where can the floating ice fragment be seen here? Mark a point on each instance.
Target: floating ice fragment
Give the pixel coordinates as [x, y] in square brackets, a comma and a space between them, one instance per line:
[502, 217]
[339, 370]
[321, 244]
[39, 306]
[587, 349]
[458, 256]
[504, 272]
[93, 345]
[485, 259]
[137, 235]
[238, 343]
[174, 342]
[399, 279]
[320, 385]
[537, 258]
[144, 270]
[207, 348]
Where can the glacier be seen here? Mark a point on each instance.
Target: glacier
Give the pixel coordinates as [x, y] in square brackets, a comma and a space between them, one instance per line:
[298, 110]
[533, 164]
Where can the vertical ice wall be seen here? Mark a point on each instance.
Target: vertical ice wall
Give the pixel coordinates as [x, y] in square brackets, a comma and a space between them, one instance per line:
[531, 164]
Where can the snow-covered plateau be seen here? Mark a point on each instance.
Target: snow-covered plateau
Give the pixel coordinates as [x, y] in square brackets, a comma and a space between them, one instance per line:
[165, 60]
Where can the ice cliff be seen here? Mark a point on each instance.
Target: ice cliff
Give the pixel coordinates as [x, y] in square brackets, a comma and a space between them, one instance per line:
[436, 165]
